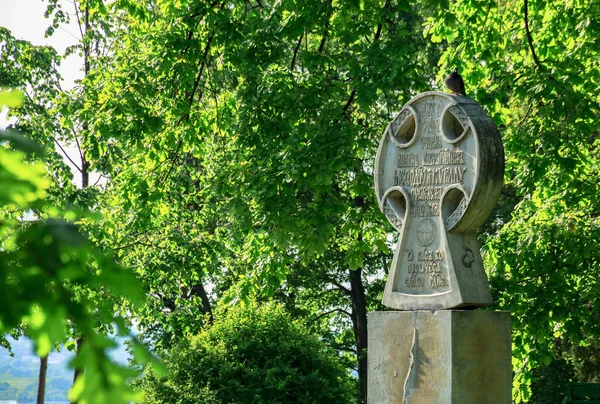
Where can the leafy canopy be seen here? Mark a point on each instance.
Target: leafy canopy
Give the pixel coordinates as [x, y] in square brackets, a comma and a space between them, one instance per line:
[48, 267]
[252, 354]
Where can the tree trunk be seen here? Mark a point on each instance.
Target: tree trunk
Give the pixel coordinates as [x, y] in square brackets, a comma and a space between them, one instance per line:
[359, 322]
[198, 290]
[41, 393]
[77, 372]
[85, 165]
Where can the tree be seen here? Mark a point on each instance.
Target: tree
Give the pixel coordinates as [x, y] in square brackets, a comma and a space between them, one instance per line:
[241, 139]
[41, 391]
[534, 66]
[251, 354]
[50, 116]
[238, 138]
[46, 256]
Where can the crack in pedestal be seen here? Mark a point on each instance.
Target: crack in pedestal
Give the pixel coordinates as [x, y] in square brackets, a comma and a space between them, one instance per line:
[411, 375]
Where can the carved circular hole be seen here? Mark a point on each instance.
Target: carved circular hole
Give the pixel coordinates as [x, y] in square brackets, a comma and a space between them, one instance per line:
[451, 126]
[406, 130]
[454, 204]
[397, 203]
[452, 201]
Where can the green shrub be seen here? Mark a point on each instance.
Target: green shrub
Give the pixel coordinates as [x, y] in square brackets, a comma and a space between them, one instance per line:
[251, 355]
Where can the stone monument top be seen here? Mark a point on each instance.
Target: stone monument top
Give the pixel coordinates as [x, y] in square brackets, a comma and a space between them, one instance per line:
[438, 173]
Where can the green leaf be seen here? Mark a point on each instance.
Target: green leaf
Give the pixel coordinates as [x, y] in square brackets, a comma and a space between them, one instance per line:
[11, 98]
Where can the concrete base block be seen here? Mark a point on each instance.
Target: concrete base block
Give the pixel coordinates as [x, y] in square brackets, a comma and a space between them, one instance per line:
[439, 357]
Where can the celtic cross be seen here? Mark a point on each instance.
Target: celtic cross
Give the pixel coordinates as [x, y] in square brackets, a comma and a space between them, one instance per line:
[438, 173]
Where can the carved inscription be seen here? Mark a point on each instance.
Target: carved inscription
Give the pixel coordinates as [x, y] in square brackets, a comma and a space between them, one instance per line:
[426, 271]
[422, 176]
[425, 169]
[425, 209]
[437, 173]
[408, 160]
[431, 115]
[443, 157]
[427, 174]
[427, 193]
[431, 142]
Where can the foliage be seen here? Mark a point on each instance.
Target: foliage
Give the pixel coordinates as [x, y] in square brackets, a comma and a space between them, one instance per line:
[45, 263]
[534, 65]
[318, 291]
[573, 363]
[238, 138]
[251, 354]
[584, 358]
[550, 382]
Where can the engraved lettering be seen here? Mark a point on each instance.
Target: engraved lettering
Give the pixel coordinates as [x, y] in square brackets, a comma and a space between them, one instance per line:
[414, 281]
[424, 267]
[431, 142]
[431, 109]
[444, 157]
[430, 125]
[428, 193]
[425, 209]
[437, 281]
[430, 255]
[429, 176]
[408, 160]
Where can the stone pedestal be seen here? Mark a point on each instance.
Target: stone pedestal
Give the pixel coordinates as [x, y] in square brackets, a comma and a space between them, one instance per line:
[439, 357]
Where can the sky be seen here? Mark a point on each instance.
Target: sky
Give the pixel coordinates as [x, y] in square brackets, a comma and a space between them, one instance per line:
[25, 19]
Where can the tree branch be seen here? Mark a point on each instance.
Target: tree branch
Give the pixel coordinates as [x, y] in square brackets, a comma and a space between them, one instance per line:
[79, 149]
[331, 312]
[296, 53]
[66, 155]
[529, 38]
[353, 94]
[175, 155]
[198, 290]
[78, 19]
[378, 33]
[202, 66]
[197, 79]
[341, 287]
[100, 176]
[322, 44]
[139, 241]
[349, 102]
[524, 118]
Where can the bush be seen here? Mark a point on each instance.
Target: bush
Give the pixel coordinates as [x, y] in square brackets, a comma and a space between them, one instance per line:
[250, 355]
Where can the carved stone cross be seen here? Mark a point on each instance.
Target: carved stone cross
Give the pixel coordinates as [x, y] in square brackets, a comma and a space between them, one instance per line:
[438, 172]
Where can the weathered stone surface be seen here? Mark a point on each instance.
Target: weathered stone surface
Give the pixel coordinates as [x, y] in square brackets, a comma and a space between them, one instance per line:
[439, 357]
[438, 172]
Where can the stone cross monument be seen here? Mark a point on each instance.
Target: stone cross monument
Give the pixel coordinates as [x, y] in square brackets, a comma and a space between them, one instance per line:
[438, 173]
